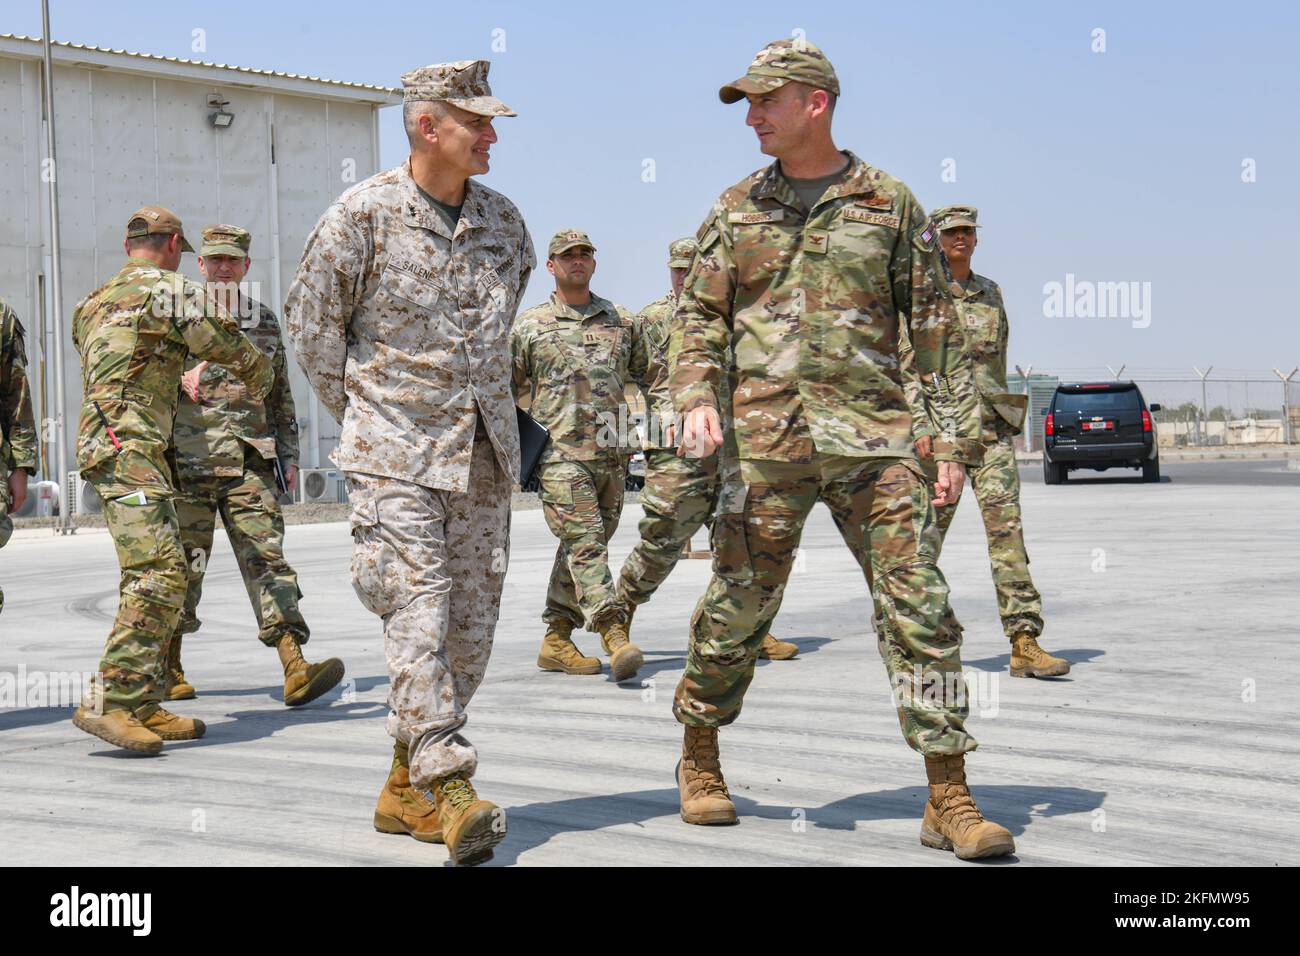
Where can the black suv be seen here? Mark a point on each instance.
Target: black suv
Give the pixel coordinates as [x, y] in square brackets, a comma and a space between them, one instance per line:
[1099, 425]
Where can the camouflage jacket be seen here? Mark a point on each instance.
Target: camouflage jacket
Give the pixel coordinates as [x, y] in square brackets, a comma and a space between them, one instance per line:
[985, 331]
[403, 330]
[211, 434]
[656, 321]
[811, 304]
[134, 333]
[19, 444]
[579, 363]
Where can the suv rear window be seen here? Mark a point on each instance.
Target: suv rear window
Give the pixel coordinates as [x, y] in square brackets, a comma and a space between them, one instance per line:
[1098, 402]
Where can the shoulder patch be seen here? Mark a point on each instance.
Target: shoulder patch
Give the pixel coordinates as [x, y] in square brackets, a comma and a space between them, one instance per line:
[923, 238]
[708, 240]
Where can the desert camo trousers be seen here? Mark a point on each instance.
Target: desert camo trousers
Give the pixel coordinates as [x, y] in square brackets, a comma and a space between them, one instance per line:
[431, 564]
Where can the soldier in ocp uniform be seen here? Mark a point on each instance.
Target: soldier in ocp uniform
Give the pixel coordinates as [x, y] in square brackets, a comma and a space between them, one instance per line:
[18, 451]
[575, 354]
[400, 317]
[680, 492]
[228, 445]
[808, 270]
[134, 333]
[996, 482]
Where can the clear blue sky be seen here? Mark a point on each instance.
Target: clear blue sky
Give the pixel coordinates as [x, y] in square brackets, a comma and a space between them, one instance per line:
[1117, 166]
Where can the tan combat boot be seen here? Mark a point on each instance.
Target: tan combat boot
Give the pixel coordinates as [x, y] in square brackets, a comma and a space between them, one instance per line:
[121, 728]
[471, 827]
[952, 821]
[1030, 660]
[559, 653]
[774, 650]
[304, 682]
[402, 808]
[178, 688]
[705, 799]
[624, 657]
[169, 726]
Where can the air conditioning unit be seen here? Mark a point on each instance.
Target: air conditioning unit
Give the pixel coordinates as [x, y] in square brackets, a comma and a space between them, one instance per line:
[82, 497]
[321, 485]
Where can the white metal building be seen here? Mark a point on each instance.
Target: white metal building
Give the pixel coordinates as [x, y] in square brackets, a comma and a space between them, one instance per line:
[134, 129]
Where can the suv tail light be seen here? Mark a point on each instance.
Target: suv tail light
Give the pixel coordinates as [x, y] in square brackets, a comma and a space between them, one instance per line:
[1047, 425]
[1146, 420]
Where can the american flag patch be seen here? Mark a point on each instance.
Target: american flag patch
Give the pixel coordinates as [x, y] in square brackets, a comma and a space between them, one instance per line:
[928, 234]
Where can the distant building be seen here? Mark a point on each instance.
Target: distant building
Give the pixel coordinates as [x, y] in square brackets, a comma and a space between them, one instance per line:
[135, 129]
[1041, 389]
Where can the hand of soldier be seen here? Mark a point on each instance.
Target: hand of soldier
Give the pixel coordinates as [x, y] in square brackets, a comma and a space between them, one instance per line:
[952, 476]
[190, 381]
[18, 488]
[670, 434]
[291, 477]
[925, 446]
[701, 433]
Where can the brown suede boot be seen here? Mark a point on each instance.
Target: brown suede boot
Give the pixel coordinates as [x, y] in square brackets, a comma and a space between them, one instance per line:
[304, 682]
[559, 653]
[471, 827]
[774, 650]
[178, 688]
[952, 821]
[169, 726]
[624, 657]
[1030, 660]
[402, 808]
[120, 727]
[705, 799]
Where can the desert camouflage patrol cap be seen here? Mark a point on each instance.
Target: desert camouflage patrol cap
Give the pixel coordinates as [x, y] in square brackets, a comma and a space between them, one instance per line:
[779, 63]
[156, 221]
[950, 217]
[463, 83]
[568, 239]
[226, 241]
[681, 252]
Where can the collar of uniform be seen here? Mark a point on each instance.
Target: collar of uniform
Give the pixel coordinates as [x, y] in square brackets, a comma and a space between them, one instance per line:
[562, 310]
[142, 262]
[416, 211]
[860, 180]
[975, 288]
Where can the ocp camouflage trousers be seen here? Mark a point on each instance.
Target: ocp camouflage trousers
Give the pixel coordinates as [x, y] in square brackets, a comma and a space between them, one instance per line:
[882, 508]
[996, 484]
[582, 502]
[151, 594]
[679, 497]
[431, 564]
[251, 515]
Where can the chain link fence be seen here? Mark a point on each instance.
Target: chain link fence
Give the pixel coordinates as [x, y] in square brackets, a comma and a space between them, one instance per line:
[1198, 407]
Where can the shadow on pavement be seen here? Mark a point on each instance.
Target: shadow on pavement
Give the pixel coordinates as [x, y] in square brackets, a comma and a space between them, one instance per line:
[1015, 807]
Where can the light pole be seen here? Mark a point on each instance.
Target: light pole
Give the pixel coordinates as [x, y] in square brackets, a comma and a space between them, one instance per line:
[1029, 408]
[1286, 402]
[56, 285]
[1205, 412]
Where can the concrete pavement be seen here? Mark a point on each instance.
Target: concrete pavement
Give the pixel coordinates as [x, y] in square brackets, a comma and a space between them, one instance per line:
[1172, 741]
